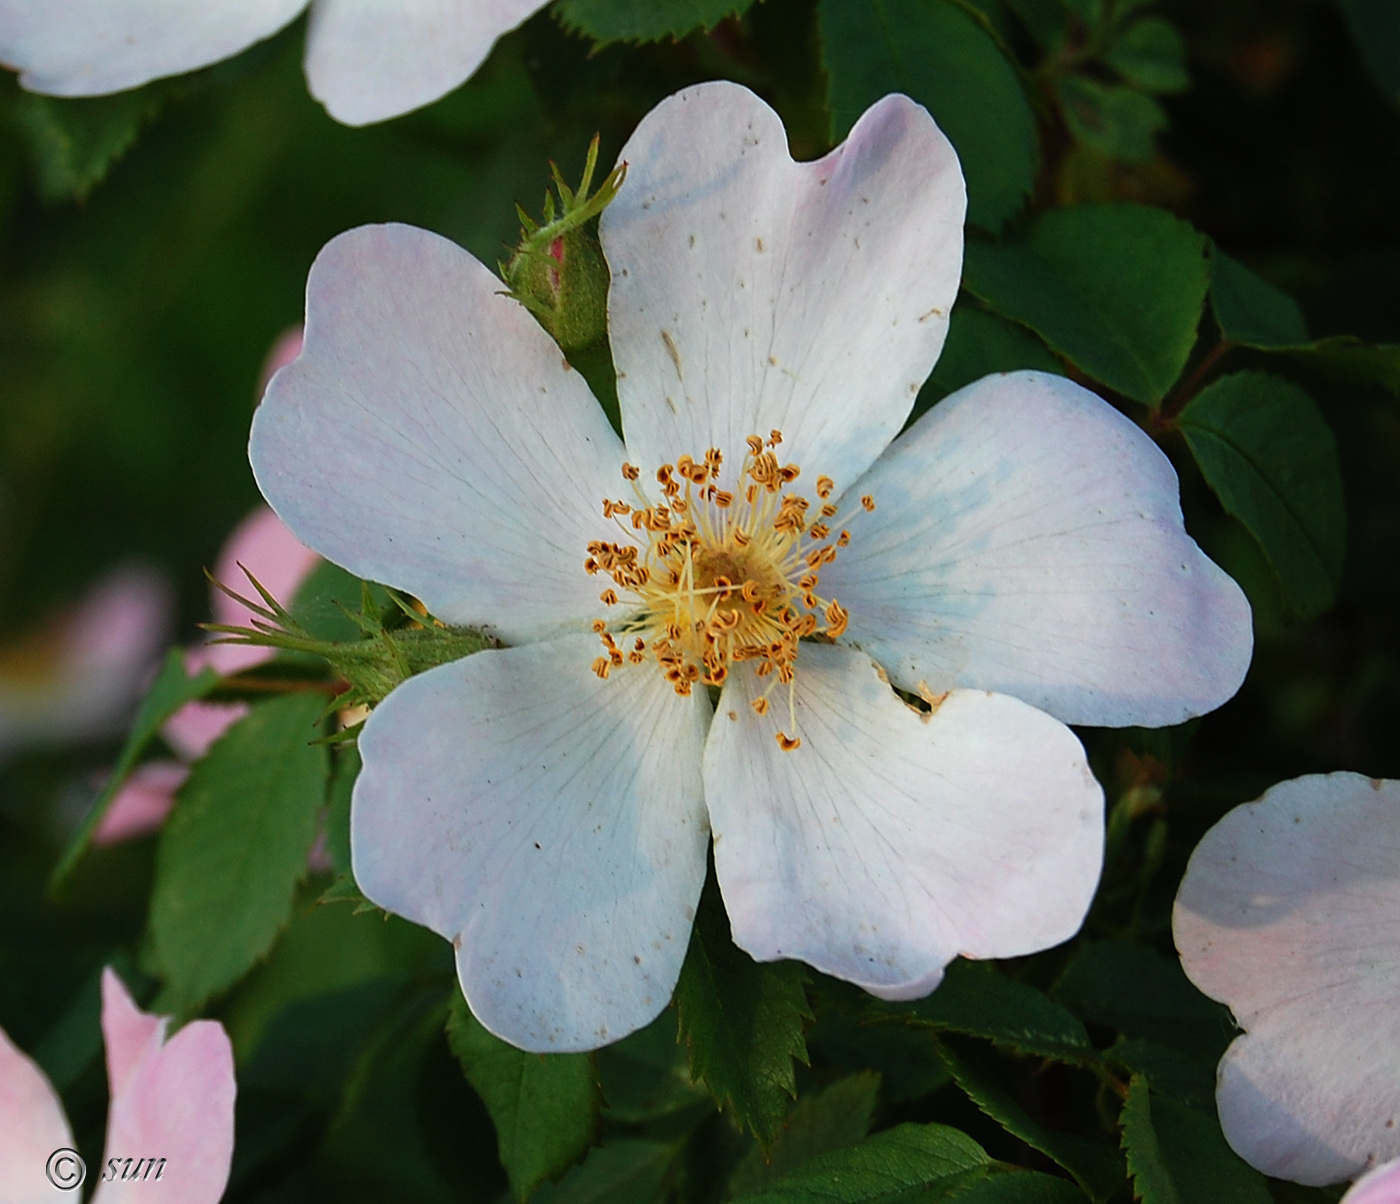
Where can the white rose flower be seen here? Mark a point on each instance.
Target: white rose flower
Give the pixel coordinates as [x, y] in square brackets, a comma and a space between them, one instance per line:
[1290, 913]
[548, 806]
[366, 60]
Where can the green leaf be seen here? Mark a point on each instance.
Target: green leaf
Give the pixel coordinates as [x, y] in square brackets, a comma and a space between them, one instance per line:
[342, 784]
[647, 1075]
[1264, 447]
[742, 1021]
[1375, 24]
[931, 1159]
[1178, 1155]
[1116, 121]
[979, 343]
[1152, 1181]
[235, 847]
[978, 1000]
[1150, 55]
[170, 691]
[1022, 1187]
[942, 56]
[621, 1172]
[906, 1058]
[837, 1116]
[1096, 1168]
[544, 1106]
[74, 143]
[644, 20]
[1202, 1165]
[1117, 289]
[1252, 311]
[1142, 993]
[321, 602]
[1169, 1073]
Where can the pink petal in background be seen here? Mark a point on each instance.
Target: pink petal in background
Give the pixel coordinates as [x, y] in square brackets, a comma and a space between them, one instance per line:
[32, 1127]
[170, 1099]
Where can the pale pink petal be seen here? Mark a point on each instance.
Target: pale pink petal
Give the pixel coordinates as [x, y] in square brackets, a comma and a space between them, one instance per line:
[1380, 1185]
[80, 679]
[431, 436]
[1028, 539]
[550, 824]
[368, 60]
[888, 842]
[170, 1099]
[1290, 913]
[32, 1128]
[751, 293]
[92, 47]
[142, 803]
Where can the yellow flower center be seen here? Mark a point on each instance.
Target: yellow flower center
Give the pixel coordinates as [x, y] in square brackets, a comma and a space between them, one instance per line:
[710, 576]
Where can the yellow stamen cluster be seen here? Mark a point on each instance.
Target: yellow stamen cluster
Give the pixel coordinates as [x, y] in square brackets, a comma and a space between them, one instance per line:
[710, 576]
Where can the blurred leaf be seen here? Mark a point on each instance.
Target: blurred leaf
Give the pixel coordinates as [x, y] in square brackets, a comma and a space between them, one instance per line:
[644, 20]
[376, 1147]
[980, 1001]
[1117, 289]
[1117, 121]
[742, 1021]
[1252, 311]
[1347, 358]
[647, 1074]
[1152, 1182]
[235, 847]
[74, 142]
[1097, 1169]
[621, 1172]
[837, 1116]
[170, 691]
[1375, 24]
[1046, 21]
[1150, 54]
[1179, 1156]
[544, 1106]
[979, 343]
[1264, 447]
[1142, 993]
[933, 1160]
[906, 1058]
[939, 54]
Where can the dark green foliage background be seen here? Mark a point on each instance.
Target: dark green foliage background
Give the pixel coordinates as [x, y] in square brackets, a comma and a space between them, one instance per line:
[1215, 249]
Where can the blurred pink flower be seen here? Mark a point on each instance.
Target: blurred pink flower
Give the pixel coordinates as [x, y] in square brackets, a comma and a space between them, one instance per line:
[78, 677]
[1289, 912]
[262, 545]
[170, 1099]
[1378, 1186]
